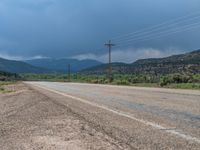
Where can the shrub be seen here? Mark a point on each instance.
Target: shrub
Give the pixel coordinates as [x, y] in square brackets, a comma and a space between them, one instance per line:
[121, 82]
[177, 78]
[165, 80]
[124, 82]
[94, 81]
[118, 82]
[1, 89]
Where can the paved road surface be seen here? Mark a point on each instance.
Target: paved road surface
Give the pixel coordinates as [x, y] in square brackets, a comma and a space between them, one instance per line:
[142, 117]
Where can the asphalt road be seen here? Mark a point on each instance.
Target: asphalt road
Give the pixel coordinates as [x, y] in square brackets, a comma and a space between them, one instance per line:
[143, 118]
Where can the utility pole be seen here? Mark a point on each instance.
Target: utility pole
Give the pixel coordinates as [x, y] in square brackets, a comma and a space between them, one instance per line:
[69, 72]
[109, 45]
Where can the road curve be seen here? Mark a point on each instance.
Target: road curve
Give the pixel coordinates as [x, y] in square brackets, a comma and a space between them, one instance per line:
[171, 115]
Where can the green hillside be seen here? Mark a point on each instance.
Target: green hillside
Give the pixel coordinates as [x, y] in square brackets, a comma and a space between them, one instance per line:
[19, 67]
[184, 63]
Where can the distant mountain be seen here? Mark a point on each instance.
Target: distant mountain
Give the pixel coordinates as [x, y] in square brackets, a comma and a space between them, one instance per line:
[61, 65]
[184, 63]
[19, 67]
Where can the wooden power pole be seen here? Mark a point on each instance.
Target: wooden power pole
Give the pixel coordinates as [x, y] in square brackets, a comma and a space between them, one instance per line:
[109, 45]
[69, 72]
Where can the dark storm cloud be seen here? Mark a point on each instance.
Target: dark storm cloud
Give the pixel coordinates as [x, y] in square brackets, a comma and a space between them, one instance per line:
[66, 28]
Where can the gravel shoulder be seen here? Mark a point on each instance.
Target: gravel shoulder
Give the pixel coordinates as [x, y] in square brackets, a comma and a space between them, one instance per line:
[32, 120]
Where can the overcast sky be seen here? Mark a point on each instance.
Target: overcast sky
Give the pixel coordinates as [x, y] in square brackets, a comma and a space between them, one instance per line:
[79, 28]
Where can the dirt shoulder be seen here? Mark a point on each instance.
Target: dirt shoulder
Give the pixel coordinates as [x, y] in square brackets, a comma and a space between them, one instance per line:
[31, 120]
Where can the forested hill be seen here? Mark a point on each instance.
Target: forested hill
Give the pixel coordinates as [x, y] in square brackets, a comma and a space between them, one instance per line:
[19, 67]
[45, 65]
[183, 63]
[61, 65]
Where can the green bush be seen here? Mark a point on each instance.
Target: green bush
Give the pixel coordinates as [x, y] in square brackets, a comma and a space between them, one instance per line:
[124, 82]
[2, 89]
[94, 81]
[177, 78]
[165, 80]
[121, 82]
[118, 82]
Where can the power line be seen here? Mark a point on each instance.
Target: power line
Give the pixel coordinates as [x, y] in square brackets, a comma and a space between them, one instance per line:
[152, 31]
[147, 33]
[158, 36]
[180, 29]
[158, 25]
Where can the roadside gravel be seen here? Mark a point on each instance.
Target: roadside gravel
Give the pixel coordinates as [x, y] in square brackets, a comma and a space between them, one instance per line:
[31, 120]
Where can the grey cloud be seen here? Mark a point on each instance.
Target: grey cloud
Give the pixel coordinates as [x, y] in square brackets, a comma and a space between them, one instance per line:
[130, 55]
[66, 28]
[20, 58]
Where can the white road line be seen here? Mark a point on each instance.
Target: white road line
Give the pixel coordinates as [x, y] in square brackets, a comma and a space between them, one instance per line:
[154, 125]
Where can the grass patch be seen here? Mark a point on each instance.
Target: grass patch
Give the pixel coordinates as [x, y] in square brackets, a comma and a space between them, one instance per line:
[191, 86]
[146, 84]
[3, 84]
[7, 82]
[195, 86]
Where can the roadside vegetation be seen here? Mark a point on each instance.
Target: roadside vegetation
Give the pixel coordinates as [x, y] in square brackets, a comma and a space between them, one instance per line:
[181, 81]
[3, 85]
[7, 79]
[5, 76]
